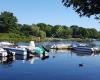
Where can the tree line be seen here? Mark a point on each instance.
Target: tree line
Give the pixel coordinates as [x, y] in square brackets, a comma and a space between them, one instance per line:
[9, 24]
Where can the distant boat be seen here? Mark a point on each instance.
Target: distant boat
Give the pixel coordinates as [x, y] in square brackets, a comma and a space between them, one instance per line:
[83, 49]
[5, 43]
[60, 46]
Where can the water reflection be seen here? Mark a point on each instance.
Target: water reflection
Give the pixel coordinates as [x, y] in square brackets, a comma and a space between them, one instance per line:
[78, 53]
[82, 53]
[8, 61]
[30, 59]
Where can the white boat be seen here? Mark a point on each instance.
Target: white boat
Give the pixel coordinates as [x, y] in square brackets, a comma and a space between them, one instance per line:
[3, 52]
[76, 44]
[17, 51]
[5, 43]
[60, 46]
[31, 46]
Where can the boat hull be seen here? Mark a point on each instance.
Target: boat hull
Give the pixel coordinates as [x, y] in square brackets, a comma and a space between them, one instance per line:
[18, 51]
[83, 49]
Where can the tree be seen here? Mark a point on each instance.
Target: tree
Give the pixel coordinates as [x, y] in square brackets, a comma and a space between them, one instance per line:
[35, 30]
[75, 31]
[48, 30]
[98, 35]
[26, 29]
[54, 30]
[42, 34]
[60, 32]
[84, 7]
[42, 26]
[8, 23]
[92, 33]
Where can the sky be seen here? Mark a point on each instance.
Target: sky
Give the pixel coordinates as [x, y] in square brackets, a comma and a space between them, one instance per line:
[46, 11]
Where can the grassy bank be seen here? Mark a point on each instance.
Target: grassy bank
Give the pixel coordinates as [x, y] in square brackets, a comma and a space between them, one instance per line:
[37, 39]
[69, 39]
[16, 38]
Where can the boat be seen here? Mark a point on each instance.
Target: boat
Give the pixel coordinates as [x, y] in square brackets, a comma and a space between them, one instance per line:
[31, 46]
[37, 50]
[5, 43]
[83, 49]
[7, 53]
[3, 52]
[60, 46]
[17, 51]
[40, 51]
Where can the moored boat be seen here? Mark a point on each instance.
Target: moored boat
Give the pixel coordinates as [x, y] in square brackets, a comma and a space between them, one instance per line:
[83, 49]
[5, 43]
[3, 52]
[17, 51]
[60, 46]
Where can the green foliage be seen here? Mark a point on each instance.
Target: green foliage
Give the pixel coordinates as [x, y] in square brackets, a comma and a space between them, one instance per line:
[35, 30]
[84, 7]
[11, 30]
[42, 26]
[42, 34]
[8, 23]
[98, 35]
[25, 29]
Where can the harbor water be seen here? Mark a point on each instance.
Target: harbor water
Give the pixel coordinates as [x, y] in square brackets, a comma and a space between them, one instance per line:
[60, 65]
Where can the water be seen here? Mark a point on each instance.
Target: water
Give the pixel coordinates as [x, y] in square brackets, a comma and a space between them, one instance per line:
[61, 65]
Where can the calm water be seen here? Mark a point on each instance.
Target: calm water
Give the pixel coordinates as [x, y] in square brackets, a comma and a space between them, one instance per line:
[61, 65]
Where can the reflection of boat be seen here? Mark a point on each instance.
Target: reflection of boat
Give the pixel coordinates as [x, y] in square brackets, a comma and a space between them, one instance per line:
[32, 59]
[7, 60]
[20, 57]
[82, 53]
[60, 51]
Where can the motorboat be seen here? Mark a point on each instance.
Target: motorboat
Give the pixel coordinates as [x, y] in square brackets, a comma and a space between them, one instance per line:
[3, 52]
[83, 49]
[60, 46]
[31, 46]
[40, 51]
[5, 43]
[37, 50]
[17, 50]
